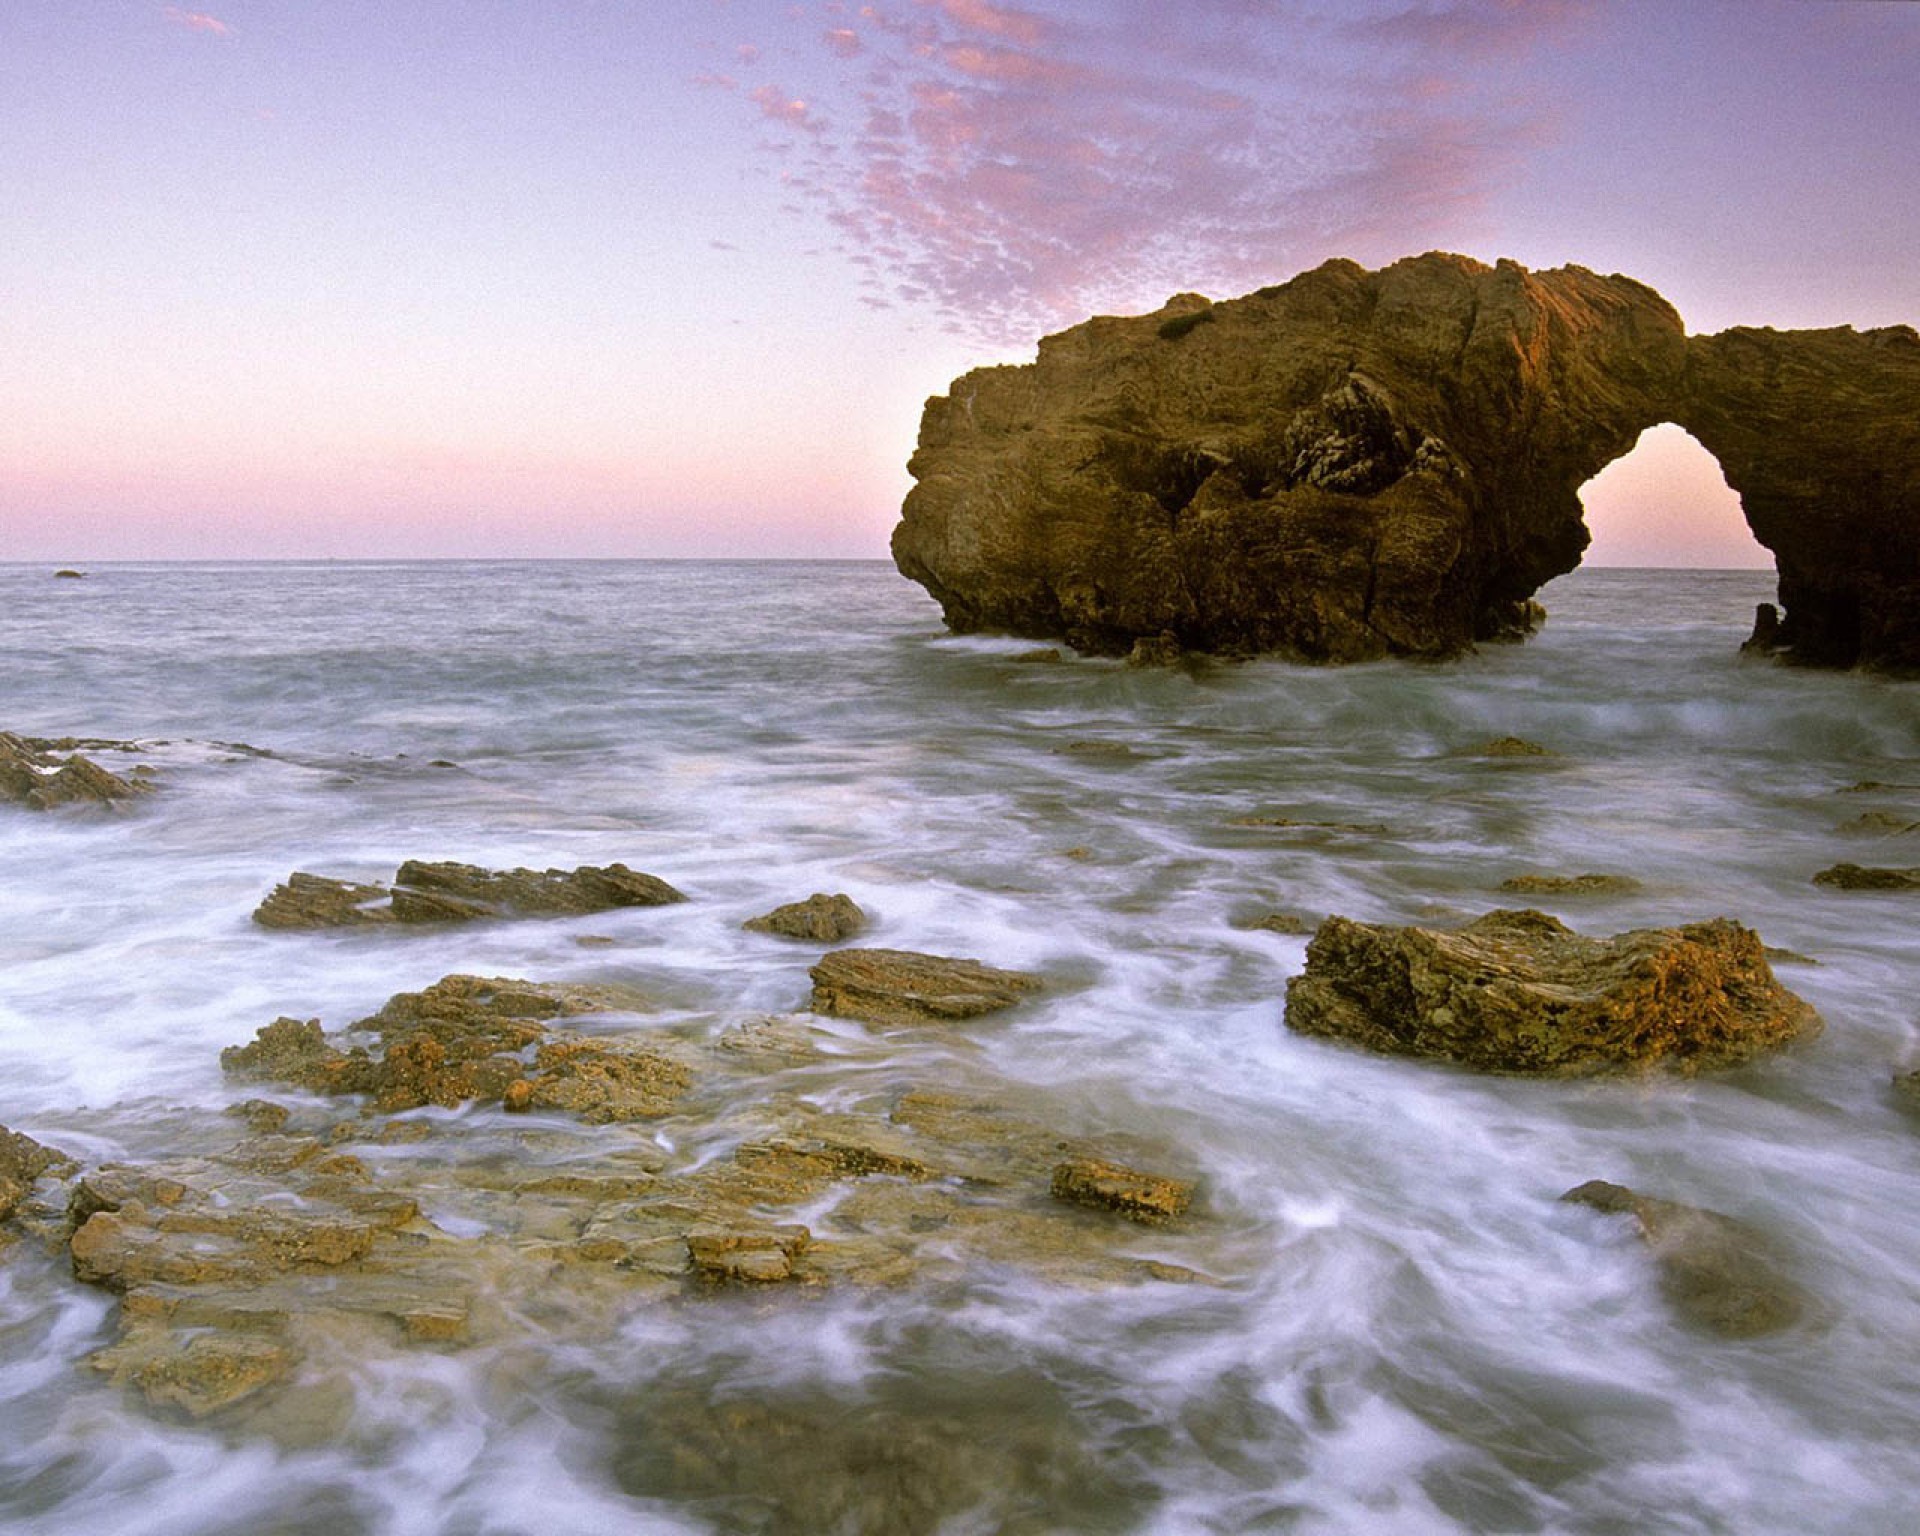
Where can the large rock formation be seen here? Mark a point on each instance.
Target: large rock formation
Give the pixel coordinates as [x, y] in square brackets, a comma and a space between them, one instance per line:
[1357, 464]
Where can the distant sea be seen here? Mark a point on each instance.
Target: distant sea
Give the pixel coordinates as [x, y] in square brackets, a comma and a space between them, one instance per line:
[1401, 1329]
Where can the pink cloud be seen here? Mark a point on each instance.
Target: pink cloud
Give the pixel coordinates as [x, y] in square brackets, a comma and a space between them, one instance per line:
[844, 43]
[197, 21]
[1018, 169]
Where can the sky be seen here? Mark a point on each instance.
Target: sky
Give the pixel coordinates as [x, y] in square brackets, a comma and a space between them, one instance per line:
[522, 278]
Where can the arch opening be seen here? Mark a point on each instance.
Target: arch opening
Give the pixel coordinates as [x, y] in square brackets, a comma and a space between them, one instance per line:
[1665, 503]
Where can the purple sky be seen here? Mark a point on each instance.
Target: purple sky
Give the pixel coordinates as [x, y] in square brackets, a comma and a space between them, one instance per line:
[591, 277]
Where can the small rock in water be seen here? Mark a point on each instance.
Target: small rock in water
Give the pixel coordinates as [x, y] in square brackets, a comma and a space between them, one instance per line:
[39, 780]
[1856, 877]
[70, 575]
[448, 892]
[1294, 924]
[1522, 992]
[1571, 885]
[752, 1257]
[1719, 1274]
[1510, 746]
[1144, 1197]
[824, 918]
[1161, 650]
[897, 986]
[1879, 824]
[1044, 656]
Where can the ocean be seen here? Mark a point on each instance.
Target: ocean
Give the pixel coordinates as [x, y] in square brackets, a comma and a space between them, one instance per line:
[1379, 1317]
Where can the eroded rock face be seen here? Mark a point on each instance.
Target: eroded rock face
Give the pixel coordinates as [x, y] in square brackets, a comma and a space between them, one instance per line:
[1357, 464]
[1522, 992]
[22, 1161]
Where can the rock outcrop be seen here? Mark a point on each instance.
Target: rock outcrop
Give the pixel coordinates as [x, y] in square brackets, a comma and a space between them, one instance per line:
[458, 893]
[1522, 992]
[1868, 877]
[821, 918]
[34, 774]
[1357, 464]
[898, 986]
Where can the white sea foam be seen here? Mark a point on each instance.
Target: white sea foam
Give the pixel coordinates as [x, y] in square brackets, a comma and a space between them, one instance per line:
[1410, 1332]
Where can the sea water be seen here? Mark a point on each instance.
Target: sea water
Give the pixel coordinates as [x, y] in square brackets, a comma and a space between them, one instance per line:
[1413, 1335]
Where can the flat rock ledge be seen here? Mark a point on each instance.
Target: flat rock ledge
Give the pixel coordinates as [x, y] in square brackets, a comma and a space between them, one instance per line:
[898, 986]
[822, 918]
[1520, 992]
[1867, 877]
[33, 776]
[1717, 1273]
[458, 893]
[1149, 1198]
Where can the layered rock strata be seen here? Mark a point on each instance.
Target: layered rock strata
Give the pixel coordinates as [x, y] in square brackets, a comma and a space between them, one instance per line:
[1358, 464]
[458, 893]
[1522, 992]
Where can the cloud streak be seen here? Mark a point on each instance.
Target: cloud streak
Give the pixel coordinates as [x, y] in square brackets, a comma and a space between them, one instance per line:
[197, 21]
[1017, 168]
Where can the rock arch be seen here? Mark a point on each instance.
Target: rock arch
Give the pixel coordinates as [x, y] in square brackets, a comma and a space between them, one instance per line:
[1356, 464]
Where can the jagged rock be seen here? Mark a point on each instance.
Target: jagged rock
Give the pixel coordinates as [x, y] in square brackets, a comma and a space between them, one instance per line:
[897, 986]
[822, 918]
[1571, 885]
[1857, 877]
[1356, 464]
[1522, 992]
[1144, 1197]
[1717, 1273]
[465, 1038]
[319, 901]
[33, 776]
[443, 893]
[22, 1161]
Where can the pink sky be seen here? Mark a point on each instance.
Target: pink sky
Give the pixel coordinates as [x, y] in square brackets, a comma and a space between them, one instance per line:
[500, 279]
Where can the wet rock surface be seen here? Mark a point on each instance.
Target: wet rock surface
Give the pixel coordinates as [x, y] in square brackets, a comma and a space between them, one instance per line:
[821, 918]
[1858, 877]
[269, 1259]
[22, 1161]
[42, 775]
[897, 986]
[1356, 464]
[455, 893]
[1717, 1273]
[1522, 992]
[469, 1038]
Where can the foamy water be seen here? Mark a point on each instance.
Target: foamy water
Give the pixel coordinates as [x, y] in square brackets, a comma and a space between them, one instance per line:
[1412, 1334]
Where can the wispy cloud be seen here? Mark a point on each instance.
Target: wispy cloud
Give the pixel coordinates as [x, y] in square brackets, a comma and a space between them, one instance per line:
[1018, 167]
[197, 21]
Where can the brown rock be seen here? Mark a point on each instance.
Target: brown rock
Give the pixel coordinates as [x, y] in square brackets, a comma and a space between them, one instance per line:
[22, 1161]
[1357, 464]
[1511, 746]
[1293, 924]
[1522, 992]
[1856, 877]
[753, 1257]
[41, 780]
[1716, 1272]
[897, 986]
[447, 893]
[318, 901]
[1143, 1197]
[821, 918]
[1571, 885]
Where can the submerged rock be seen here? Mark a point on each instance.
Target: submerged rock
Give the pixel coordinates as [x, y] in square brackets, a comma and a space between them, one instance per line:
[1856, 877]
[1719, 1274]
[898, 986]
[825, 919]
[1522, 992]
[33, 776]
[447, 892]
[1511, 746]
